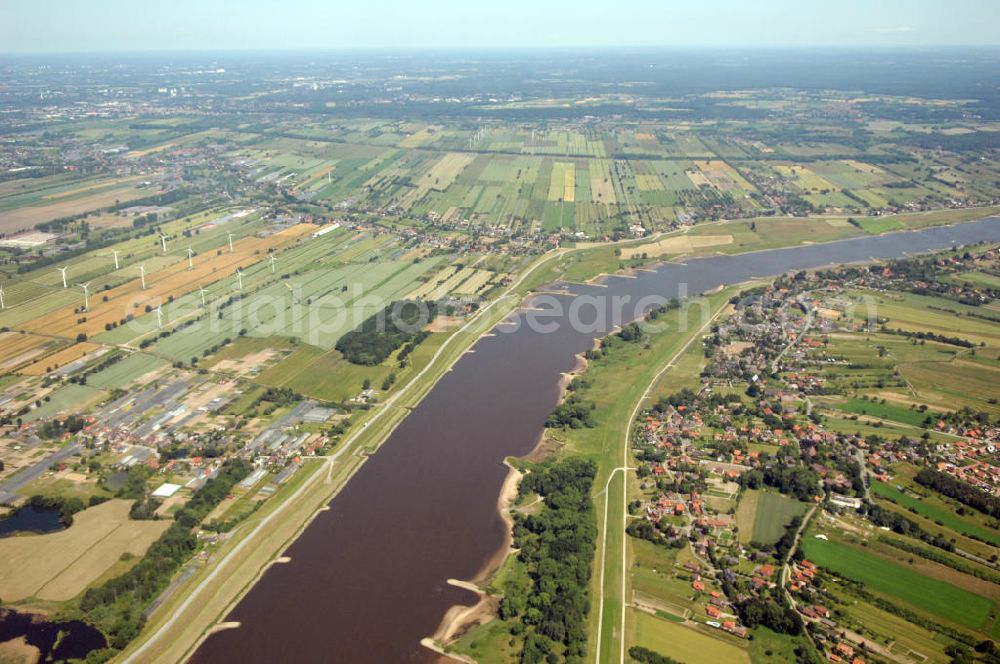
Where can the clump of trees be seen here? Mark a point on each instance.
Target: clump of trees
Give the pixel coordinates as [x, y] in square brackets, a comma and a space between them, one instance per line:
[557, 549]
[574, 413]
[900, 524]
[631, 332]
[67, 506]
[58, 428]
[770, 613]
[798, 481]
[378, 336]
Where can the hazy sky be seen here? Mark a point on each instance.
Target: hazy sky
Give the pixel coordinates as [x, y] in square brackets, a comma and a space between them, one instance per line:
[115, 25]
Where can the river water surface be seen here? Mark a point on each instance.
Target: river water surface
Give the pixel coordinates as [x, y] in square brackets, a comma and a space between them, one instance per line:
[368, 577]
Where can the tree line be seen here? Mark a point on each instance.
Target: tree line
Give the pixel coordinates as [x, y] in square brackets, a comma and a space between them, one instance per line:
[961, 491]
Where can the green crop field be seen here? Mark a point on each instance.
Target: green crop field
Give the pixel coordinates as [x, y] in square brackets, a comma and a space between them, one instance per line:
[979, 279]
[930, 595]
[126, 370]
[877, 225]
[66, 397]
[774, 512]
[885, 411]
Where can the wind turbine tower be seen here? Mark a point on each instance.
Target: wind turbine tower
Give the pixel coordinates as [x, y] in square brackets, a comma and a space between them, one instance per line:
[86, 296]
[230, 243]
[115, 252]
[190, 254]
[239, 278]
[273, 261]
[62, 270]
[163, 242]
[142, 275]
[159, 316]
[2, 306]
[202, 291]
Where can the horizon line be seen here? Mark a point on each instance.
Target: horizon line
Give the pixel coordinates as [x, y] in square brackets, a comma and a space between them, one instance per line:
[423, 49]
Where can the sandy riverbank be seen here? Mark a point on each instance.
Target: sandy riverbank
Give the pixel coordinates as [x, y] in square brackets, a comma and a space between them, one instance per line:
[459, 619]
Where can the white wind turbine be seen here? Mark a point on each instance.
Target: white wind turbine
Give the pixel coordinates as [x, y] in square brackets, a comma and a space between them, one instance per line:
[230, 243]
[163, 242]
[142, 275]
[62, 270]
[2, 306]
[273, 261]
[190, 254]
[115, 252]
[202, 291]
[239, 278]
[86, 296]
[159, 316]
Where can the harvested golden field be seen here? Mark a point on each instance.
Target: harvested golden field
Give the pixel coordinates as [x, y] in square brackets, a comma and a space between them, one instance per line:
[698, 178]
[318, 175]
[681, 244]
[602, 189]
[569, 192]
[863, 167]
[59, 566]
[16, 349]
[90, 188]
[173, 280]
[807, 179]
[649, 182]
[562, 184]
[724, 176]
[444, 172]
[142, 153]
[27, 217]
[59, 358]
[417, 138]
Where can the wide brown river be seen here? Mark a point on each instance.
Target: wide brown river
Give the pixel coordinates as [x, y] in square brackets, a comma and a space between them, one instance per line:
[367, 578]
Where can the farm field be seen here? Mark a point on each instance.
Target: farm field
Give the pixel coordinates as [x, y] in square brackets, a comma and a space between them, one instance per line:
[59, 566]
[125, 371]
[62, 357]
[935, 510]
[774, 512]
[885, 411]
[927, 594]
[684, 643]
[77, 397]
[905, 637]
[28, 217]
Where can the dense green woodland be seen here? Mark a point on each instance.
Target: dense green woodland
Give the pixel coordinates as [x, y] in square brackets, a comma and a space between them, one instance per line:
[378, 336]
[557, 548]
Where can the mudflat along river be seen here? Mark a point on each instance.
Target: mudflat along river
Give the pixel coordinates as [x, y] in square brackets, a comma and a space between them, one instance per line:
[368, 577]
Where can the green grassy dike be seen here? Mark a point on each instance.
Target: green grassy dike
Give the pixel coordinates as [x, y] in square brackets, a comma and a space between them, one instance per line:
[615, 384]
